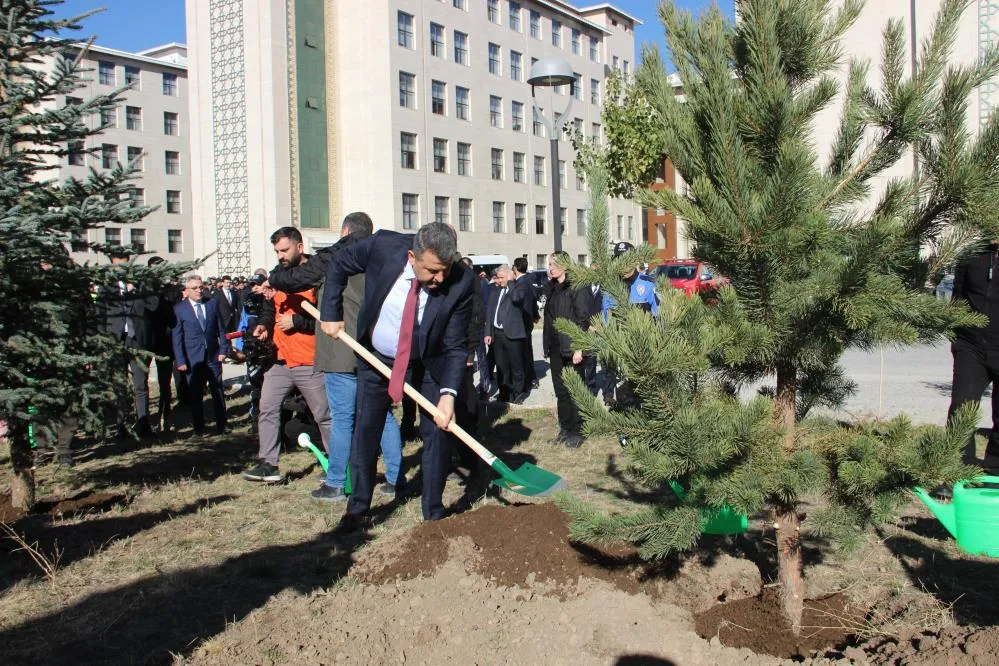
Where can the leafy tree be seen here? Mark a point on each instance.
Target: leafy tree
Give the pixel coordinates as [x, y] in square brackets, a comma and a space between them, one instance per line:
[814, 269]
[52, 360]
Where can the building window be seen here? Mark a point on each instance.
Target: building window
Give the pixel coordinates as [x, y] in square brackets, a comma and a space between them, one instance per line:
[499, 217]
[616, 63]
[408, 144]
[519, 168]
[105, 73]
[539, 220]
[561, 221]
[132, 76]
[517, 116]
[410, 211]
[494, 58]
[520, 218]
[516, 66]
[78, 241]
[594, 91]
[595, 133]
[73, 101]
[407, 90]
[541, 261]
[538, 127]
[576, 87]
[464, 159]
[440, 155]
[172, 163]
[112, 236]
[441, 209]
[626, 66]
[459, 4]
[492, 7]
[496, 163]
[464, 214]
[133, 118]
[437, 40]
[495, 111]
[173, 202]
[580, 181]
[539, 170]
[175, 241]
[535, 24]
[138, 238]
[460, 48]
[514, 15]
[631, 228]
[575, 41]
[137, 197]
[556, 33]
[76, 156]
[406, 31]
[135, 160]
[462, 105]
[561, 174]
[109, 155]
[580, 222]
[438, 99]
[170, 123]
[109, 117]
[581, 259]
[169, 84]
[620, 227]
[594, 49]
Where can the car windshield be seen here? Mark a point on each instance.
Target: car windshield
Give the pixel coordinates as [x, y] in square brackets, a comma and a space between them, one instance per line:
[679, 271]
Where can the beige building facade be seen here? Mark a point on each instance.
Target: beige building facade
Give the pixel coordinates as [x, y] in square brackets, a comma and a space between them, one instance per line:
[150, 130]
[410, 110]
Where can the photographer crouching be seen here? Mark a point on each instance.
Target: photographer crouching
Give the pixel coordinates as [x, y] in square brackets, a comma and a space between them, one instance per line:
[293, 335]
[259, 355]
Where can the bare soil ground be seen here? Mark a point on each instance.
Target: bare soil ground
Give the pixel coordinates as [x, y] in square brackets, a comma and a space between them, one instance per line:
[162, 554]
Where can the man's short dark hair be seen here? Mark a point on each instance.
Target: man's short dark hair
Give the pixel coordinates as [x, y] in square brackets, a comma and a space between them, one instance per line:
[155, 261]
[291, 233]
[227, 277]
[439, 238]
[520, 265]
[358, 224]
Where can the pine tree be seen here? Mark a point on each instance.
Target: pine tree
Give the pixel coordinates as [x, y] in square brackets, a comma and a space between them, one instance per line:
[814, 270]
[52, 360]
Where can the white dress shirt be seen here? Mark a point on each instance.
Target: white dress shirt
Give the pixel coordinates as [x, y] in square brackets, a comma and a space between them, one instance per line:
[385, 336]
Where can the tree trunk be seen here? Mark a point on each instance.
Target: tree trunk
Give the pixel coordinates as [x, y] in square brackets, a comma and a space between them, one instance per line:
[789, 566]
[22, 481]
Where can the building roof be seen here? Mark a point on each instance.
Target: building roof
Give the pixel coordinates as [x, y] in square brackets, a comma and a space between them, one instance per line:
[569, 11]
[609, 7]
[139, 57]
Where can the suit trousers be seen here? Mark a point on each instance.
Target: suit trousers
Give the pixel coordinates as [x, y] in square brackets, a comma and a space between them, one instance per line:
[530, 376]
[138, 369]
[164, 375]
[590, 375]
[975, 368]
[510, 363]
[279, 382]
[197, 377]
[569, 420]
[372, 403]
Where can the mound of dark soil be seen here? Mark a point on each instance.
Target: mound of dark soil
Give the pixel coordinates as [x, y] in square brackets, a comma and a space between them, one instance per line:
[758, 623]
[955, 645]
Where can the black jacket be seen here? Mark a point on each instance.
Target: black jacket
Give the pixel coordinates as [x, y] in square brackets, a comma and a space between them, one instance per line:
[976, 281]
[512, 316]
[564, 302]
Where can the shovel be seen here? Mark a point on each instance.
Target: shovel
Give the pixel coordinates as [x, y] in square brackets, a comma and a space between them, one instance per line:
[527, 479]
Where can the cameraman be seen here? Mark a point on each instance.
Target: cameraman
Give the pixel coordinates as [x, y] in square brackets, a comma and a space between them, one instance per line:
[258, 355]
[294, 338]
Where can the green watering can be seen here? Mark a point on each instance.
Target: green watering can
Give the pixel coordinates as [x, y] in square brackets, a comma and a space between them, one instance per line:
[972, 517]
[720, 521]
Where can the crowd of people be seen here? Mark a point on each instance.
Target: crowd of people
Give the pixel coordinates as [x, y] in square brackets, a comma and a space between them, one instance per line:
[410, 299]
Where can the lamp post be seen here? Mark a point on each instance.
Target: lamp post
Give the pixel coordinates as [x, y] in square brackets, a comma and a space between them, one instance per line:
[548, 73]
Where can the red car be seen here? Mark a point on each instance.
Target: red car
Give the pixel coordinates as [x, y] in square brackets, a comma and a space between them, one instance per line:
[690, 275]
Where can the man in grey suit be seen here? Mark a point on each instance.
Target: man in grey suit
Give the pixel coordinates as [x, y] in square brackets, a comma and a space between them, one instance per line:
[506, 333]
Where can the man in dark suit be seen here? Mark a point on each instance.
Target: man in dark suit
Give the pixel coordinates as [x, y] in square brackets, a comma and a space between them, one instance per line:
[506, 332]
[594, 306]
[199, 345]
[531, 316]
[229, 304]
[414, 315]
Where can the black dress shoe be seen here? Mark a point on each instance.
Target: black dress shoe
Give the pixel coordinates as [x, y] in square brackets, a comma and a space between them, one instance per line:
[353, 522]
[535, 384]
[519, 400]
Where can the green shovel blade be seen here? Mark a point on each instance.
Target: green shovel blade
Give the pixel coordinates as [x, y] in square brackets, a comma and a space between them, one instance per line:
[528, 479]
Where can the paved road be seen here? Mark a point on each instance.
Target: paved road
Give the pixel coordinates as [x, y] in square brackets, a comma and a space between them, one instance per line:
[915, 381]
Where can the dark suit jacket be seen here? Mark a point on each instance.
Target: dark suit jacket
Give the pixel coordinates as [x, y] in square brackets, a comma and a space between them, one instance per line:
[230, 313]
[443, 332]
[136, 307]
[511, 312]
[191, 345]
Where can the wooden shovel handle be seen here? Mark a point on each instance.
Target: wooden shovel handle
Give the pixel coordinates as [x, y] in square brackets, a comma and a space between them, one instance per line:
[430, 407]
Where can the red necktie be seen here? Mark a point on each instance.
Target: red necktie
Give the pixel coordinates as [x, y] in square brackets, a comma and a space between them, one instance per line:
[405, 342]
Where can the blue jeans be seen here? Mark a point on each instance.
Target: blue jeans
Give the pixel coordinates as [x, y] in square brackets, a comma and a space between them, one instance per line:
[341, 390]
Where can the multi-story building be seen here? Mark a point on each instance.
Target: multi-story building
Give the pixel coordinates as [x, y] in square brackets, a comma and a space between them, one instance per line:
[411, 110]
[149, 130]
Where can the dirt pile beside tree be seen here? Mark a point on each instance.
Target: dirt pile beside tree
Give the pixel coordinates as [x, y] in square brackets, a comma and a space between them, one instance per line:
[954, 645]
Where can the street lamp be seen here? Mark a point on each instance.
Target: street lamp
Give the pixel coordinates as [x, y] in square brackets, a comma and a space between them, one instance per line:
[548, 73]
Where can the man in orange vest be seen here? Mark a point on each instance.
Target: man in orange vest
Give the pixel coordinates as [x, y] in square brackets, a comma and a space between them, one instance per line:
[293, 334]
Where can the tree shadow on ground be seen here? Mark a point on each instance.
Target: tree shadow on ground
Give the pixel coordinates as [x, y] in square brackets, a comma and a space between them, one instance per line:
[77, 541]
[642, 660]
[966, 583]
[631, 490]
[151, 620]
